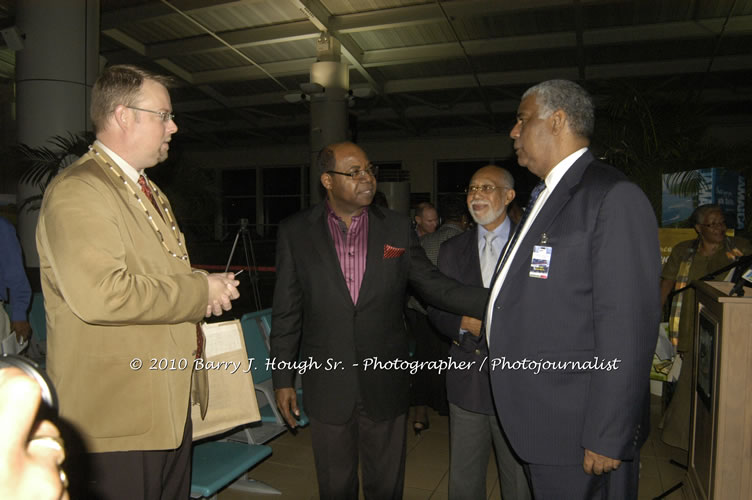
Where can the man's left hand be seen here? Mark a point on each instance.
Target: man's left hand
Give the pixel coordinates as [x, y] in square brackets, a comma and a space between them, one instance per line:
[22, 329]
[595, 463]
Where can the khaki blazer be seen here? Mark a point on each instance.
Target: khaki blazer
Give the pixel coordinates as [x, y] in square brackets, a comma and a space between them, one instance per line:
[114, 294]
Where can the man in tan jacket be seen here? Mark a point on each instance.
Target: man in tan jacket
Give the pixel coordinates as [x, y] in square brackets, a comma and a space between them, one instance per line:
[120, 296]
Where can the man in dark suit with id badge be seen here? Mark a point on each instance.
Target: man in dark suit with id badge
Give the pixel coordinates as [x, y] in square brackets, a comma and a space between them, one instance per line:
[573, 315]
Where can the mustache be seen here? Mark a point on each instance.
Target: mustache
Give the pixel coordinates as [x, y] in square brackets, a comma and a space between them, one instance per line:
[480, 203]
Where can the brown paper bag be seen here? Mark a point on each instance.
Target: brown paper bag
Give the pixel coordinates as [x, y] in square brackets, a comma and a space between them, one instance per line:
[232, 398]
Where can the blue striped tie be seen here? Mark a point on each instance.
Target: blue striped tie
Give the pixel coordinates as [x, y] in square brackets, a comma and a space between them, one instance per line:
[537, 190]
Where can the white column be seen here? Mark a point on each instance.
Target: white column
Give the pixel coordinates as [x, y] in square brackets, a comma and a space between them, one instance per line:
[54, 74]
[329, 123]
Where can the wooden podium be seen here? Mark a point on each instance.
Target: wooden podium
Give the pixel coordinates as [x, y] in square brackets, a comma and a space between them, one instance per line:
[720, 445]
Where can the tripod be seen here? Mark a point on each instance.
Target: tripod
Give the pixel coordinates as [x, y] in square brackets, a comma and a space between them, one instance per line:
[244, 234]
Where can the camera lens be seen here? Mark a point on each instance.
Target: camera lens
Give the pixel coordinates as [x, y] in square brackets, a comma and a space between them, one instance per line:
[30, 368]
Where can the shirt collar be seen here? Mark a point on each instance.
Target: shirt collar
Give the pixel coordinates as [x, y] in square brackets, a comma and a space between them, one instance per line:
[561, 168]
[331, 213]
[501, 230]
[131, 172]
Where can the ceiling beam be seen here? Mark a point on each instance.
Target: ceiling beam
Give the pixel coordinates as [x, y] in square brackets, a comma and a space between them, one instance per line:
[320, 17]
[637, 69]
[430, 13]
[250, 37]
[739, 25]
[282, 68]
[152, 10]
[507, 78]
[301, 30]
[562, 39]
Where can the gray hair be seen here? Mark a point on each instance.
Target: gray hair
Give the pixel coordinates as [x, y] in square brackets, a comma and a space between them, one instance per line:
[568, 96]
[508, 177]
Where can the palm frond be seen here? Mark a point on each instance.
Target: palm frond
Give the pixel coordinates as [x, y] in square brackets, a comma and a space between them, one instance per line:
[686, 184]
[43, 163]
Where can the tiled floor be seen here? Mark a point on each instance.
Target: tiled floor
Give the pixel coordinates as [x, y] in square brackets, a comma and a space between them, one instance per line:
[290, 468]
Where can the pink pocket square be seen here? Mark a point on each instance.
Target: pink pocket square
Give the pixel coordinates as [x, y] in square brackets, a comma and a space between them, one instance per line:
[391, 252]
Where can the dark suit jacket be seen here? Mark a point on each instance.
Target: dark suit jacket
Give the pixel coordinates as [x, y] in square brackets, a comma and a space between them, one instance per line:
[313, 309]
[600, 303]
[467, 388]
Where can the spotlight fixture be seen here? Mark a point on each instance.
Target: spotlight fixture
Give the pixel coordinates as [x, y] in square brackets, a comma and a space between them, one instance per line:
[312, 88]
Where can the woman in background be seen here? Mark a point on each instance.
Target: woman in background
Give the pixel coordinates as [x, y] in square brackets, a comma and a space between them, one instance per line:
[690, 260]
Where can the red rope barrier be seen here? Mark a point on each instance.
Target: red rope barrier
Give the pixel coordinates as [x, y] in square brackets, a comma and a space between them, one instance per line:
[221, 269]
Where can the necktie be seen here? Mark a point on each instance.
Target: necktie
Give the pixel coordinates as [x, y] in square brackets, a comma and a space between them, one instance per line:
[147, 191]
[199, 341]
[488, 258]
[537, 190]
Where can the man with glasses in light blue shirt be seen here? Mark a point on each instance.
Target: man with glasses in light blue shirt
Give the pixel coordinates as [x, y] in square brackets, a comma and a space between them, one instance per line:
[471, 258]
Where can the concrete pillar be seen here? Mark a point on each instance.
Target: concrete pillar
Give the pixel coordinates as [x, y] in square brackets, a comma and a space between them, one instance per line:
[54, 74]
[328, 125]
[328, 93]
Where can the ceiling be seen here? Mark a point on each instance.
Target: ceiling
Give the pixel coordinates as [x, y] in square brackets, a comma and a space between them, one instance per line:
[435, 67]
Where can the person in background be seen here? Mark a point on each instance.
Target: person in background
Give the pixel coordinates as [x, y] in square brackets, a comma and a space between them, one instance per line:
[690, 260]
[428, 387]
[471, 258]
[426, 218]
[14, 286]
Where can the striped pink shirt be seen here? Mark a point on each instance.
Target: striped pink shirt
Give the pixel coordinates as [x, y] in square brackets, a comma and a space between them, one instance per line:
[351, 246]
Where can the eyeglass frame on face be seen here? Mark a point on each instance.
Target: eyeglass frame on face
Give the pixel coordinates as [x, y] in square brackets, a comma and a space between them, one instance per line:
[714, 224]
[163, 115]
[355, 175]
[483, 188]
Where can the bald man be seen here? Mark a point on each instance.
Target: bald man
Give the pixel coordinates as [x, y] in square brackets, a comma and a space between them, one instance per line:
[343, 267]
[426, 219]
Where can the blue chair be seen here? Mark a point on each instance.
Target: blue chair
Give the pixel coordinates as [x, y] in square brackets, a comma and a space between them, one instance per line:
[272, 423]
[217, 464]
[37, 318]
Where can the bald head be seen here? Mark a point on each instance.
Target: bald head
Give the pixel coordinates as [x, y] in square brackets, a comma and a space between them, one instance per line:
[426, 218]
[500, 175]
[348, 179]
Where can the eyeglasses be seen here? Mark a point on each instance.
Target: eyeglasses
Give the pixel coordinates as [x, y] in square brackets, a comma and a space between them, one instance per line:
[163, 115]
[485, 188]
[373, 171]
[714, 224]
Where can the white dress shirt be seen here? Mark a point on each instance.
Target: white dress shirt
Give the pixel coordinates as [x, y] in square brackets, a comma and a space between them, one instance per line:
[551, 181]
[131, 172]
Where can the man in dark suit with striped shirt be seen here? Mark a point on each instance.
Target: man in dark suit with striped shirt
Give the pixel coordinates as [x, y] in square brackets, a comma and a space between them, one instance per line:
[471, 258]
[343, 267]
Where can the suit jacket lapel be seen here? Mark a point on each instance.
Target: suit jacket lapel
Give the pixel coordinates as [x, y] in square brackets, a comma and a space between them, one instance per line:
[375, 257]
[471, 264]
[121, 187]
[322, 242]
[561, 195]
[171, 240]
